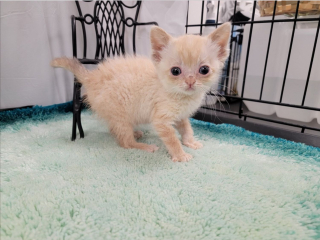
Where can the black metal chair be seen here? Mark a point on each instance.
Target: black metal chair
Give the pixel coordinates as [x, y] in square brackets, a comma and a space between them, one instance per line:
[110, 22]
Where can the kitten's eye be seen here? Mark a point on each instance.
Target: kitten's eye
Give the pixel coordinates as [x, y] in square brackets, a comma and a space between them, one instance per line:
[175, 71]
[204, 70]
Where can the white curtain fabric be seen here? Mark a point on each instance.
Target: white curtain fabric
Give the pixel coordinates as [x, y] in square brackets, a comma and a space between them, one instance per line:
[33, 33]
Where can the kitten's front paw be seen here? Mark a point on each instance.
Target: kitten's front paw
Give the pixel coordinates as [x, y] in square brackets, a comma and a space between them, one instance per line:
[193, 144]
[184, 157]
[151, 148]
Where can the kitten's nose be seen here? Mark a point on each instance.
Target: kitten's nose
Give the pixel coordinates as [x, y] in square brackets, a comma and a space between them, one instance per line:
[190, 81]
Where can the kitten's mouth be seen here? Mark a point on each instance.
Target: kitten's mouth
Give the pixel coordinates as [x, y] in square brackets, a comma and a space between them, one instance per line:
[190, 88]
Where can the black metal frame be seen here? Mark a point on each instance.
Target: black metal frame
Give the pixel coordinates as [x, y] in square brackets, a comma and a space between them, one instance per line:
[241, 98]
[109, 21]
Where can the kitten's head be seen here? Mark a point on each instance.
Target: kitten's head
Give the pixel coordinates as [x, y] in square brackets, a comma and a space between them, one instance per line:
[190, 64]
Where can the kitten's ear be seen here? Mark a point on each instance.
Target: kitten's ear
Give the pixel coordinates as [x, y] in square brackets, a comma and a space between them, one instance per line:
[159, 40]
[221, 38]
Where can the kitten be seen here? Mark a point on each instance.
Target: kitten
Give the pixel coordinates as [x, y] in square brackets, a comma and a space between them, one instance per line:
[128, 91]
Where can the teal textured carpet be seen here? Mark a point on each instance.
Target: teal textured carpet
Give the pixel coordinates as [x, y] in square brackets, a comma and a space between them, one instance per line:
[241, 185]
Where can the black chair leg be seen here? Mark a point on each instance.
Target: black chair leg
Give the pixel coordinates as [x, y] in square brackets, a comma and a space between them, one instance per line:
[77, 103]
[79, 122]
[74, 127]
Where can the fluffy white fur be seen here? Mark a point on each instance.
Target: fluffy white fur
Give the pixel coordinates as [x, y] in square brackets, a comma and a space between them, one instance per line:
[128, 91]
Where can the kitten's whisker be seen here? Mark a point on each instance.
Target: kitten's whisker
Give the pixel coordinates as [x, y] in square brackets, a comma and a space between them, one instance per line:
[231, 91]
[215, 108]
[221, 105]
[217, 93]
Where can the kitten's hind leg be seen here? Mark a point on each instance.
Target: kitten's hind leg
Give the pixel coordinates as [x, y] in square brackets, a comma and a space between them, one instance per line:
[125, 136]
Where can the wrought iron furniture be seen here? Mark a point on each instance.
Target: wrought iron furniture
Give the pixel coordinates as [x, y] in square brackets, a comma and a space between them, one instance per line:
[110, 22]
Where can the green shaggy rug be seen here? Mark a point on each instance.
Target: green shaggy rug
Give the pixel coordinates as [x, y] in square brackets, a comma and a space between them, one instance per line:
[241, 185]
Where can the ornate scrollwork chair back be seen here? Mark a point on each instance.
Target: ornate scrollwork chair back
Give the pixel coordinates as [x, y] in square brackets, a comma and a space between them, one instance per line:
[110, 24]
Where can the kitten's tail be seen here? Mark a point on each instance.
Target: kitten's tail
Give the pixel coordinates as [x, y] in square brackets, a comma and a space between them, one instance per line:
[73, 65]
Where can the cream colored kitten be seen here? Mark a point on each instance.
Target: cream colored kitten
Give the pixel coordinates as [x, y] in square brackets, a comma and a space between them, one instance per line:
[128, 91]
